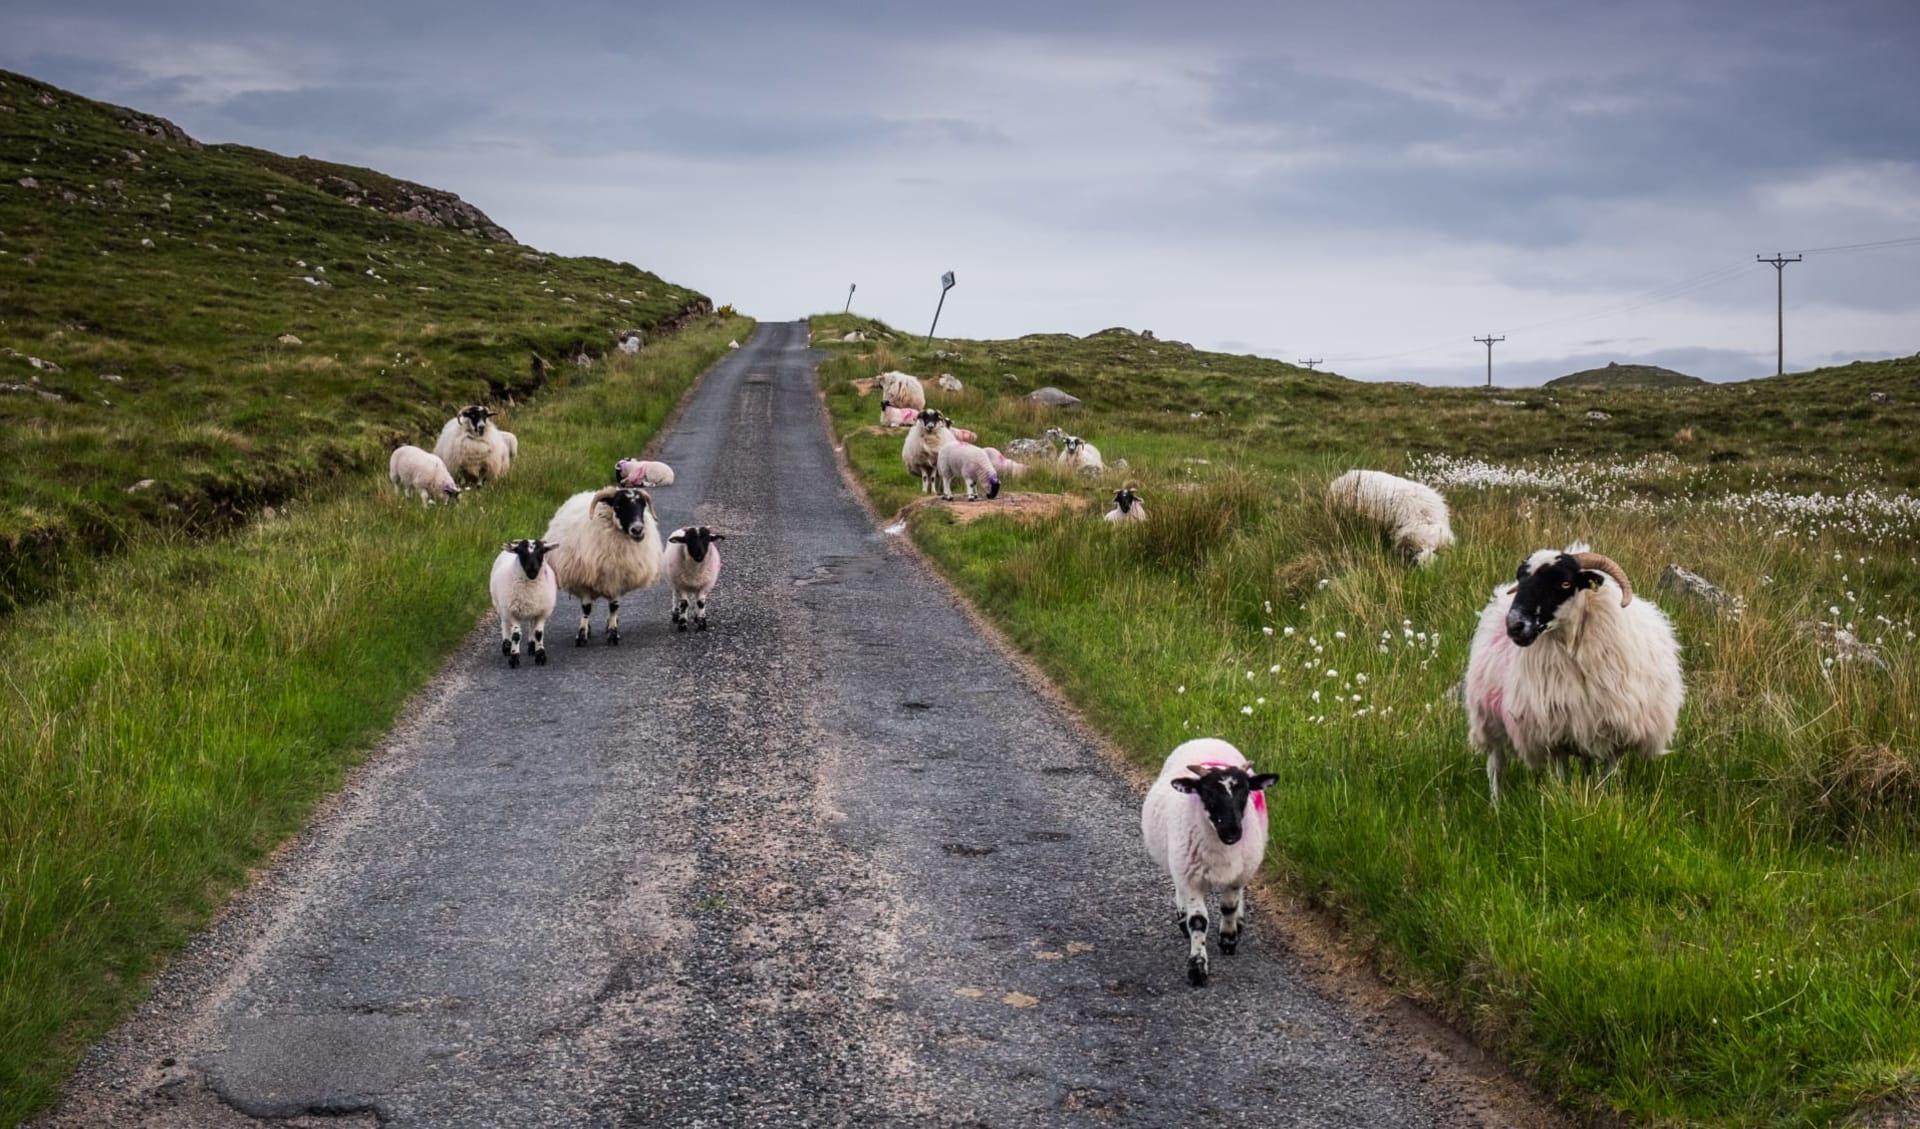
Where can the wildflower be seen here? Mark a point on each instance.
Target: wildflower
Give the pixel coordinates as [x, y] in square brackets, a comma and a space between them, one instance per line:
[1361, 679]
[1274, 669]
[1267, 631]
[1181, 690]
[1339, 635]
[1288, 630]
[1332, 673]
[1316, 695]
[1246, 709]
[1259, 701]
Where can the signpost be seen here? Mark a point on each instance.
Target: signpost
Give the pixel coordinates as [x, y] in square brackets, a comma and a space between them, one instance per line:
[850, 289]
[946, 284]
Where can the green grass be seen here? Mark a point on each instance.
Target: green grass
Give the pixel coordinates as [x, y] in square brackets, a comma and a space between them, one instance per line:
[177, 268]
[1723, 938]
[174, 720]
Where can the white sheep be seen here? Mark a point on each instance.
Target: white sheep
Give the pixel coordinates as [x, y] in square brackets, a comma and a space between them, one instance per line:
[1127, 505]
[971, 465]
[891, 416]
[1413, 513]
[524, 594]
[642, 473]
[903, 389]
[411, 469]
[691, 565]
[950, 383]
[1079, 455]
[606, 544]
[1205, 823]
[1006, 466]
[921, 451]
[1565, 662]
[473, 447]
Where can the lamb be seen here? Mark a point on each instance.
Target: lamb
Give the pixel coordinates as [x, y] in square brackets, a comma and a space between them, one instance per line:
[891, 416]
[1127, 505]
[921, 451]
[969, 464]
[524, 593]
[1006, 466]
[903, 390]
[1205, 823]
[642, 473]
[1566, 663]
[410, 468]
[1080, 455]
[691, 564]
[473, 447]
[1414, 514]
[606, 543]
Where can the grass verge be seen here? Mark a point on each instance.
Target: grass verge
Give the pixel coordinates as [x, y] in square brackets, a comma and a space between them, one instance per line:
[173, 720]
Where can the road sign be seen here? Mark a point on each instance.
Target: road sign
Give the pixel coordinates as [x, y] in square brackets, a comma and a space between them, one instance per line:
[946, 282]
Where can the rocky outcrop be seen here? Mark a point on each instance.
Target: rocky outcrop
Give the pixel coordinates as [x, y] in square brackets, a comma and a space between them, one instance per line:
[153, 125]
[405, 200]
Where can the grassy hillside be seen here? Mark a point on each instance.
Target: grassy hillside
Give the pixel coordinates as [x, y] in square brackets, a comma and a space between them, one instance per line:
[1724, 937]
[1625, 376]
[149, 286]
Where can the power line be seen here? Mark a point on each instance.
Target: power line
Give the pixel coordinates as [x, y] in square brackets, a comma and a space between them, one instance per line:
[1905, 241]
[1489, 341]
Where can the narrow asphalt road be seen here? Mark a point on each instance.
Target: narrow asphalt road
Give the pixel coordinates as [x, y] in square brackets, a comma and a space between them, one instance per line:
[832, 863]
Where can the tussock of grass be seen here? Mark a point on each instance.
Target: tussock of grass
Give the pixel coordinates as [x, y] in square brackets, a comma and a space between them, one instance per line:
[1722, 937]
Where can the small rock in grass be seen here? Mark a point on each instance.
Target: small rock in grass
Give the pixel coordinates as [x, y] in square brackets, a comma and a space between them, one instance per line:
[1691, 585]
[1597, 414]
[143, 484]
[1054, 398]
[950, 382]
[288, 339]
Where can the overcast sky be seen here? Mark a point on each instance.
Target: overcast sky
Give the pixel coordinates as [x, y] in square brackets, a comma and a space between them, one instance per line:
[1373, 184]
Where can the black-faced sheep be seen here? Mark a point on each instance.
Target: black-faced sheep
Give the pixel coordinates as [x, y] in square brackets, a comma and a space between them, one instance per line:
[606, 544]
[412, 470]
[1413, 513]
[921, 451]
[1080, 455]
[1566, 663]
[692, 565]
[1205, 823]
[524, 594]
[473, 447]
[1127, 505]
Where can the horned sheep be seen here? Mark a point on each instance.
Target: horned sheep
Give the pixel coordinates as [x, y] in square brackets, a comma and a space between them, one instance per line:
[1413, 513]
[474, 447]
[1127, 505]
[1565, 663]
[606, 544]
[412, 470]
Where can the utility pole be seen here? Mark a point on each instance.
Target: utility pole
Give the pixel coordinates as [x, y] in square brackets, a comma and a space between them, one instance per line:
[1489, 341]
[1779, 262]
[1308, 364]
[850, 289]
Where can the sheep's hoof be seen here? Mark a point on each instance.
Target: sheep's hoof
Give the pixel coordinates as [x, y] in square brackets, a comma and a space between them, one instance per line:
[1228, 943]
[1197, 971]
[506, 647]
[680, 624]
[1180, 923]
[946, 497]
[540, 657]
[513, 662]
[613, 638]
[580, 640]
[700, 624]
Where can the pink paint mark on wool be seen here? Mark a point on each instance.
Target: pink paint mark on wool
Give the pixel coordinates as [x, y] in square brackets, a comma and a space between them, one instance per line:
[1260, 802]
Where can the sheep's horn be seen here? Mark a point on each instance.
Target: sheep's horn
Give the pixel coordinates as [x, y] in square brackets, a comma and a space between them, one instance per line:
[1605, 564]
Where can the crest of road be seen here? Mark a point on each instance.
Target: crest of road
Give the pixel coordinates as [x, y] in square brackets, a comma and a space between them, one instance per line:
[834, 862]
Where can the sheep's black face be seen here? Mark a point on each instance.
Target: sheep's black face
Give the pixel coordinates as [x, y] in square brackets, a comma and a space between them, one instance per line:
[475, 419]
[1074, 444]
[931, 420]
[531, 553]
[697, 540]
[630, 511]
[1125, 500]
[1225, 791]
[1540, 592]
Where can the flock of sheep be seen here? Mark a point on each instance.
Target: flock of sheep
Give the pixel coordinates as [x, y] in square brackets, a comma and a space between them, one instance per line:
[600, 544]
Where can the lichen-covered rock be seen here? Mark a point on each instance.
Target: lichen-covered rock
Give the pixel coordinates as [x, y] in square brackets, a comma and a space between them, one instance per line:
[1691, 585]
[1054, 398]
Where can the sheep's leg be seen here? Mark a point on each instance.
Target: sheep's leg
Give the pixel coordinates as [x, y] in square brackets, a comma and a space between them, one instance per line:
[506, 639]
[1560, 766]
[1232, 903]
[946, 488]
[1193, 905]
[513, 648]
[700, 611]
[540, 643]
[1613, 766]
[586, 623]
[613, 623]
[679, 615]
[1496, 761]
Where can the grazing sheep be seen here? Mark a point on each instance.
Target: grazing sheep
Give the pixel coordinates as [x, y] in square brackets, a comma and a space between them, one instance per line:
[473, 447]
[524, 593]
[642, 473]
[1413, 513]
[1205, 823]
[1127, 505]
[1080, 455]
[606, 543]
[410, 468]
[903, 389]
[1566, 663]
[921, 451]
[891, 416]
[970, 464]
[691, 565]
[1006, 466]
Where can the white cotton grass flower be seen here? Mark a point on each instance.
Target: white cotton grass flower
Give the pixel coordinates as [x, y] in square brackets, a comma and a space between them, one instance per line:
[1246, 709]
[1274, 669]
[1267, 631]
[1288, 630]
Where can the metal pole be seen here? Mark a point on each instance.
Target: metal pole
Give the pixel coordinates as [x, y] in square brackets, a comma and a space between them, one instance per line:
[850, 288]
[936, 316]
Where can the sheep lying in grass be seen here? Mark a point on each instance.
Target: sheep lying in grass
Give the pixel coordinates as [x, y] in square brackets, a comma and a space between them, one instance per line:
[411, 469]
[1413, 513]
[969, 464]
[642, 473]
[1080, 455]
[921, 451]
[1205, 823]
[473, 447]
[1127, 505]
[606, 544]
[1566, 663]
[891, 416]
[691, 565]
[903, 390]
[524, 593]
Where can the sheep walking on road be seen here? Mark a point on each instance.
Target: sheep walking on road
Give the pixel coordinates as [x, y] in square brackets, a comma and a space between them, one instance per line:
[473, 447]
[1413, 513]
[692, 566]
[412, 470]
[1205, 823]
[606, 543]
[524, 594]
[1566, 663]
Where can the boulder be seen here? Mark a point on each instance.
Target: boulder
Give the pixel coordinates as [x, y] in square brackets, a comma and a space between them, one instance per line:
[1876, 397]
[1597, 414]
[1054, 398]
[288, 339]
[1690, 585]
[950, 382]
[1028, 449]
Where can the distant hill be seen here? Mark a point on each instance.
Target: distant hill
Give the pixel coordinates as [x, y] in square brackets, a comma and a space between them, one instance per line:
[1626, 376]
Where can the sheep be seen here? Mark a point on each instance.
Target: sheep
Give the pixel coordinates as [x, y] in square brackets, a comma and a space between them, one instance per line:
[971, 465]
[606, 544]
[1080, 455]
[1559, 669]
[642, 473]
[524, 593]
[473, 447]
[950, 383]
[1006, 466]
[410, 468]
[691, 565]
[921, 451]
[1414, 514]
[1127, 505]
[1205, 823]
[891, 416]
[903, 389]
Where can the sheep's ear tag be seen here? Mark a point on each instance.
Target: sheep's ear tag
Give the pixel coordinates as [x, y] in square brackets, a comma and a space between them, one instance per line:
[1593, 579]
